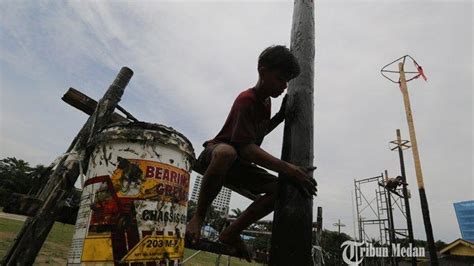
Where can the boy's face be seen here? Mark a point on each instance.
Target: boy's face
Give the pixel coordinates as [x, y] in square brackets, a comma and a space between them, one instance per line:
[275, 82]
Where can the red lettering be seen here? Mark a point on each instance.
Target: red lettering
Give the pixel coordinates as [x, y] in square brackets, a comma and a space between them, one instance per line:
[173, 176]
[150, 171]
[183, 180]
[166, 175]
[159, 172]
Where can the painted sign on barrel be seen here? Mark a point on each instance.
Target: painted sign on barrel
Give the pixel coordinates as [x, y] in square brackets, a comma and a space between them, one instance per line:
[134, 202]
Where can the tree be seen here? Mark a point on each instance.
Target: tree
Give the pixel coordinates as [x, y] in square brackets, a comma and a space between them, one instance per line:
[261, 243]
[216, 219]
[440, 245]
[40, 175]
[331, 243]
[191, 210]
[15, 175]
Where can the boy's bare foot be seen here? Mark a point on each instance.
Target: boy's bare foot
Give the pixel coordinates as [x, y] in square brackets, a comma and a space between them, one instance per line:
[193, 230]
[237, 243]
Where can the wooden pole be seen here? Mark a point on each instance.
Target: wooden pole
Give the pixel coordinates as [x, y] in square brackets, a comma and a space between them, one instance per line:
[291, 235]
[86, 104]
[319, 224]
[318, 254]
[31, 237]
[419, 175]
[405, 193]
[339, 225]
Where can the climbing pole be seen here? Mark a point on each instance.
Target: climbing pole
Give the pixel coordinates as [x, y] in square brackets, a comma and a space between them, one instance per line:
[402, 82]
[291, 235]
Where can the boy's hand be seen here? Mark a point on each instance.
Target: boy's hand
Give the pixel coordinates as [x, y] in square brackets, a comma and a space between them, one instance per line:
[302, 176]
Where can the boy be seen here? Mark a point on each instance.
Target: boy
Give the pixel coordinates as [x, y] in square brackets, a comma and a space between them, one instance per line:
[233, 155]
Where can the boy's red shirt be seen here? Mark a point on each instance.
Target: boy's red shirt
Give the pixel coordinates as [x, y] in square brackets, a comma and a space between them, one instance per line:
[247, 122]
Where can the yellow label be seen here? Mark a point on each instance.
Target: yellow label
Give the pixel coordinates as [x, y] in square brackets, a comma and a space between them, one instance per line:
[156, 247]
[151, 180]
[98, 248]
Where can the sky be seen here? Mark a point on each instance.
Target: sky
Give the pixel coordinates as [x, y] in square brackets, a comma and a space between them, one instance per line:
[191, 59]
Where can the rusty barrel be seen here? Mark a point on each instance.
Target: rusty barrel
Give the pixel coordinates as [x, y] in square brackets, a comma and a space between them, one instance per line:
[134, 202]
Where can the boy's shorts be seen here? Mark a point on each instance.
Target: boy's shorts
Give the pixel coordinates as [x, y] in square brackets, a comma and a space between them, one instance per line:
[241, 174]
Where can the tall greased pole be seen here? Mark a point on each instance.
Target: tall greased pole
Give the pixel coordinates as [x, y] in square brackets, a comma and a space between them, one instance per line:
[31, 237]
[292, 223]
[419, 175]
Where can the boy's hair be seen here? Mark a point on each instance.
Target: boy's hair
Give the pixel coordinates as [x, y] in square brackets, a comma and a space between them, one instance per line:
[278, 57]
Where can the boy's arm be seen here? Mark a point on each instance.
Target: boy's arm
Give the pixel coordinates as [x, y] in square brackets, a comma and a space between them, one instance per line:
[275, 121]
[255, 154]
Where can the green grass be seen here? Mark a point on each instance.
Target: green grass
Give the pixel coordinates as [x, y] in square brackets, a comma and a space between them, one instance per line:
[56, 247]
[205, 258]
[7, 225]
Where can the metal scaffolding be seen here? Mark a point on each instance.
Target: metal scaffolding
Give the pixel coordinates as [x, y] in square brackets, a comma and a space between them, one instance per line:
[376, 210]
[380, 211]
[373, 211]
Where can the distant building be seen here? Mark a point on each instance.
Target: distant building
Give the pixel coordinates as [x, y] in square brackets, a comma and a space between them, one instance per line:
[465, 214]
[220, 203]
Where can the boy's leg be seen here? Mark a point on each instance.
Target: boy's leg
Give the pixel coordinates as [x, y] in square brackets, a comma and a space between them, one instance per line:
[222, 158]
[260, 208]
[256, 211]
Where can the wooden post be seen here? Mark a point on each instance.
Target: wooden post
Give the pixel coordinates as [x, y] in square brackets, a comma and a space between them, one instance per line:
[86, 104]
[419, 175]
[339, 225]
[292, 225]
[319, 225]
[318, 254]
[31, 237]
[405, 192]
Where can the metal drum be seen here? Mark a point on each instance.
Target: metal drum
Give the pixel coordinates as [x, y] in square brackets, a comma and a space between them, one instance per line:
[134, 201]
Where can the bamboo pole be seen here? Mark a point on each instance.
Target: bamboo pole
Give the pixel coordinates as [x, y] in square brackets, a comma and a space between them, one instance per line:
[419, 174]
